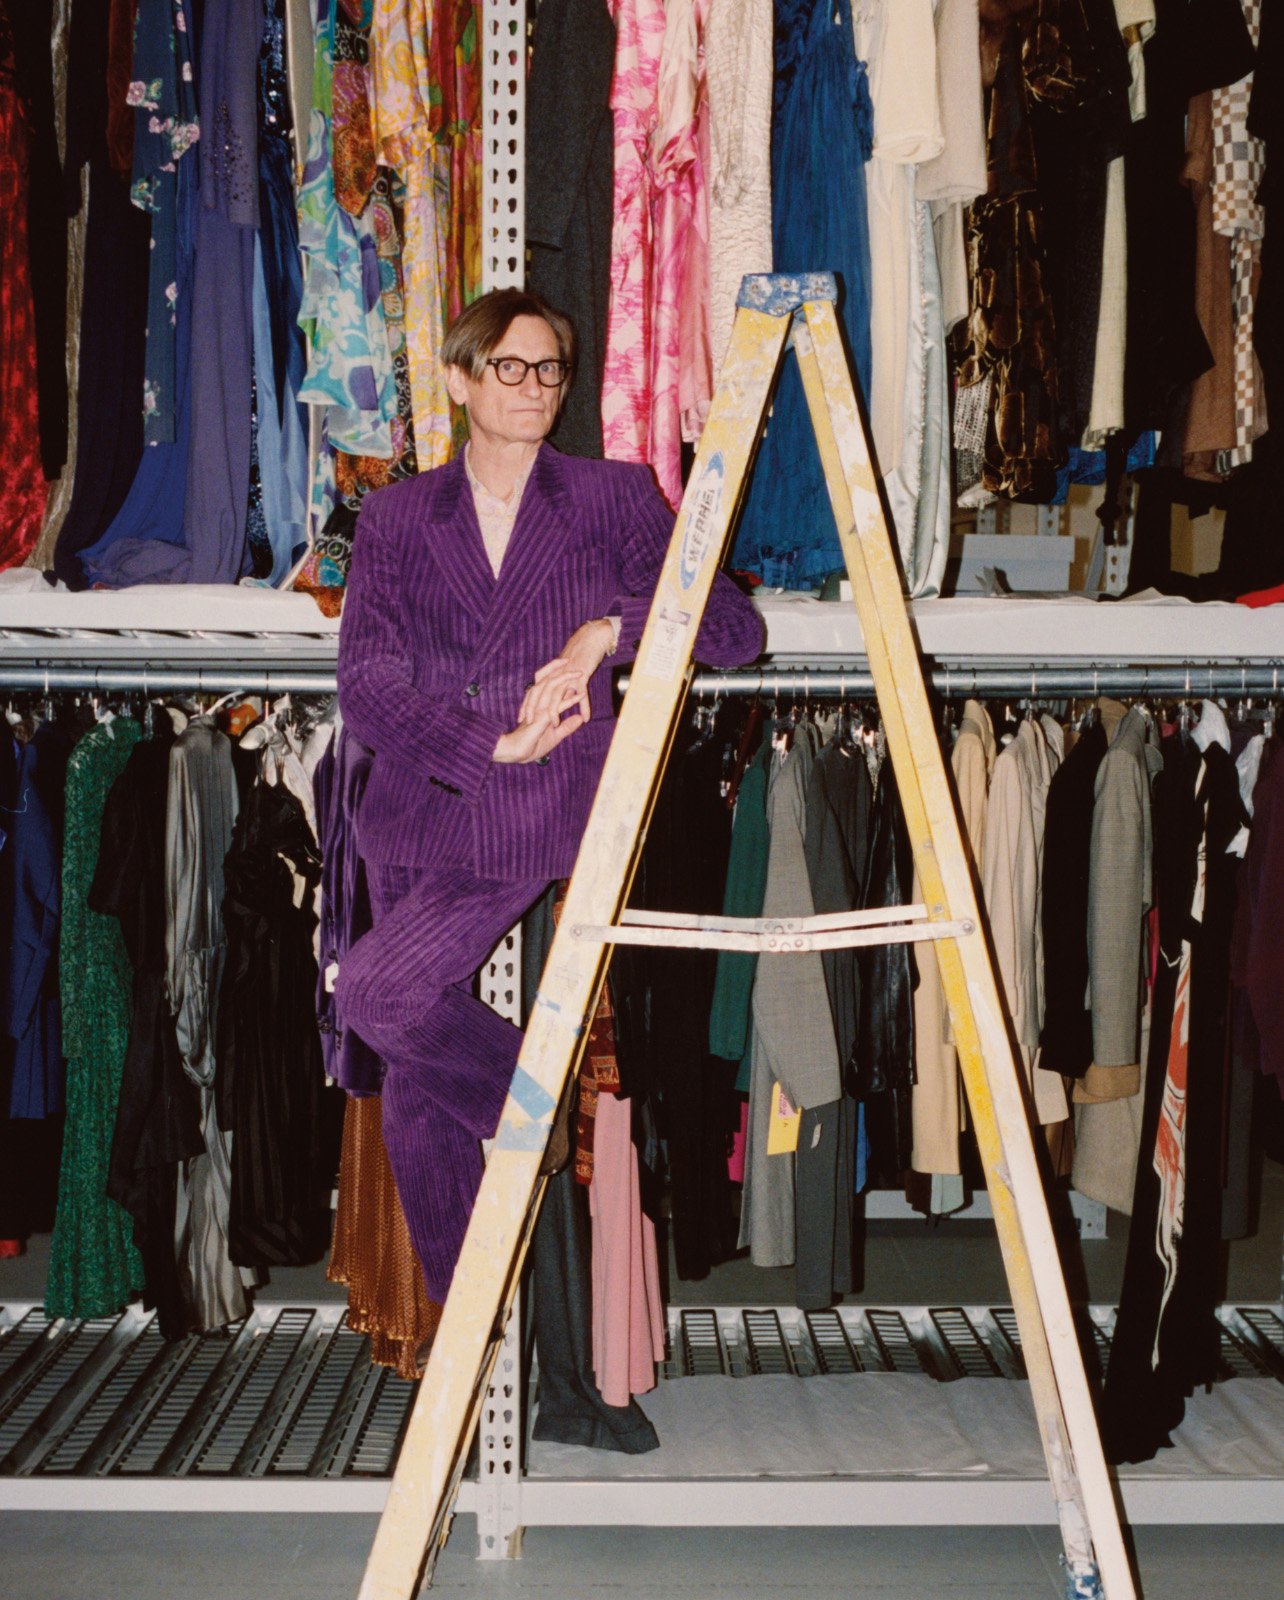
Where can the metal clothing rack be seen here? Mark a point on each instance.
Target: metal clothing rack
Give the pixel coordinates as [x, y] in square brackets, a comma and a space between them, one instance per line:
[828, 680]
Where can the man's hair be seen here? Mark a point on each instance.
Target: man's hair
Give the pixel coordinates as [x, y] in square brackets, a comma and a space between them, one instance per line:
[479, 329]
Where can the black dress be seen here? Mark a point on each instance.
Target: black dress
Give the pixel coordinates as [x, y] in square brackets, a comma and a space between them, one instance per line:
[158, 1120]
[1167, 1343]
[1066, 1039]
[570, 143]
[272, 1096]
[888, 976]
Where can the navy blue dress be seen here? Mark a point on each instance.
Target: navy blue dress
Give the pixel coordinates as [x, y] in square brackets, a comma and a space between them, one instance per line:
[821, 137]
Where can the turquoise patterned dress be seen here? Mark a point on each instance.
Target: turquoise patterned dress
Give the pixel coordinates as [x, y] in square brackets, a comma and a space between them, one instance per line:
[94, 1268]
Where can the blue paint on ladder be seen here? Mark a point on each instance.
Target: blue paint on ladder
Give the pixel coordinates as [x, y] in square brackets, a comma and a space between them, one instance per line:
[1083, 1583]
[533, 1098]
[780, 294]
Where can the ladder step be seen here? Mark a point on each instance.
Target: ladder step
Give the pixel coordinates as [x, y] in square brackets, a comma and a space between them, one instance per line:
[773, 938]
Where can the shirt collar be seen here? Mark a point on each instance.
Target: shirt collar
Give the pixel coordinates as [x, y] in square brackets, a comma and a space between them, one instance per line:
[487, 497]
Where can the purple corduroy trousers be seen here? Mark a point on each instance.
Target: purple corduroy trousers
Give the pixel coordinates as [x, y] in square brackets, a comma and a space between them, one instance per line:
[406, 988]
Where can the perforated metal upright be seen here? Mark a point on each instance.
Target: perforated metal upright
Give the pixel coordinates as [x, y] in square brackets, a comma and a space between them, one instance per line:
[503, 199]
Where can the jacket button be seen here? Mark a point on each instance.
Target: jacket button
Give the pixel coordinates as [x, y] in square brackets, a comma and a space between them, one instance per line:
[473, 689]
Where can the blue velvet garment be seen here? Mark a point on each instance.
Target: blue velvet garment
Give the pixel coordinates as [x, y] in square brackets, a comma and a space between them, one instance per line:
[144, 541]
[822, 133]
[30, 910]
[279, 361]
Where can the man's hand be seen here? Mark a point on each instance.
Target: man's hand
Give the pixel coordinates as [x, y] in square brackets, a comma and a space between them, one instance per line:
[566, 677]
[532, 739]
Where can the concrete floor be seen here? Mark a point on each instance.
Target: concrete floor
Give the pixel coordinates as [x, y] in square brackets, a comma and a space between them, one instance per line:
[106, 1557]
[155, 1557]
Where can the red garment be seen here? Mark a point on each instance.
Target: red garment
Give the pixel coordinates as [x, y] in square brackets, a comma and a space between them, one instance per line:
[19, 418]
[121, 116]
[1262, 597]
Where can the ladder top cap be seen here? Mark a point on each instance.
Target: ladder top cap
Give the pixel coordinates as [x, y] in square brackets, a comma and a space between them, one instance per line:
[780, 294]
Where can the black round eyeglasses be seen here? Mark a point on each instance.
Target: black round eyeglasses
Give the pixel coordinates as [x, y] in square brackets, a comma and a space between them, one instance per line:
[512, 370]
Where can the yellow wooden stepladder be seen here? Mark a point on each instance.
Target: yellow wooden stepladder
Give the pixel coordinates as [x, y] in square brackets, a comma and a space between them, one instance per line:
[769, 309]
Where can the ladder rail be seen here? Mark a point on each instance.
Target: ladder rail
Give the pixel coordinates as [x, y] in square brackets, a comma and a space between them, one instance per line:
[1086, 1496]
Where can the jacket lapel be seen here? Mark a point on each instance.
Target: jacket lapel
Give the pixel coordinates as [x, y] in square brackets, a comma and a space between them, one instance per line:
[537, 544]
[457, 541]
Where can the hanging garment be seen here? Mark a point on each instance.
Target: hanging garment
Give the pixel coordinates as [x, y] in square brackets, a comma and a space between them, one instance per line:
[1167, 1338]
[406, 108]
[628, 396]
[1106, 415]
[884, 1058]
[69, 196]
[1076, 76]
[1238, 165]
[281, 1120]
[1209, 424]
[739, 72]
[144, 542]
[31, 25]
[906, 281]
[628, 1312]
[199, 817]
[681, 380]
[1066, 1039]
[163, 94]
[218, 469]
[372, 1253]
[1005, 417]
[280, 355]
[684, 869]
[1119, 889]
[1011, 878]
[31, 1064]
[955, 177]
[324, 571]
[730, 1009]
[157, 1123]
[1257, 968]
[821, 132]
[569, 180]
[897, 40]
[793, 1043]
[1108, 1095]
[1194, 48]
[839, 802]
[349, 369]
[94, 1267]
[341, 779]
[19, 371]
[936, 1104]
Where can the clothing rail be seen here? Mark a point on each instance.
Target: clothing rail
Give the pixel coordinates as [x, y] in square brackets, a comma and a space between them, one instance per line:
[825, 683]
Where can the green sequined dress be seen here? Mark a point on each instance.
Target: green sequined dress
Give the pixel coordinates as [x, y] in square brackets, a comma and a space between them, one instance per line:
[94, 1268]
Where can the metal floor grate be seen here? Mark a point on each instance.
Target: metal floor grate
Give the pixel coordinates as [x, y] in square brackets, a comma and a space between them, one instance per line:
[289, 1394]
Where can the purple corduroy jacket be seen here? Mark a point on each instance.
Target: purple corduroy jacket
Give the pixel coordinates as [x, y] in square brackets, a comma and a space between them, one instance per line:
[435, 654]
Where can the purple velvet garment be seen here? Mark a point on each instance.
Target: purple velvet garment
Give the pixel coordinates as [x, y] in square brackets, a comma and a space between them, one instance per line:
[435, 654]
[338, 785]
[218, 474]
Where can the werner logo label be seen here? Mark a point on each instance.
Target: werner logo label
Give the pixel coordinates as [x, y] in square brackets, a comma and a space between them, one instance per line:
[706, 503]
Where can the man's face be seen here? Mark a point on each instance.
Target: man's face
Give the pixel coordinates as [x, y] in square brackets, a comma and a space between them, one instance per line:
[518, 414]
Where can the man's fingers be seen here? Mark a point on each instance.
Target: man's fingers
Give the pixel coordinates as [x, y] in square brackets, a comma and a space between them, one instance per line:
[563, 730]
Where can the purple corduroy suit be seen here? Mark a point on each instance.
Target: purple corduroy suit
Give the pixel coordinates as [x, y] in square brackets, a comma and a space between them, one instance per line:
[435, 655]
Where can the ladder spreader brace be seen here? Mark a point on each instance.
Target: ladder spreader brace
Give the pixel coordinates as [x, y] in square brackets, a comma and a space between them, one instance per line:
[838, 930]
[772, 311]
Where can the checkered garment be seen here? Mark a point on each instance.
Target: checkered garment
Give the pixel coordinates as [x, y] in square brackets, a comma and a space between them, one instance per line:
[1238, 165]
